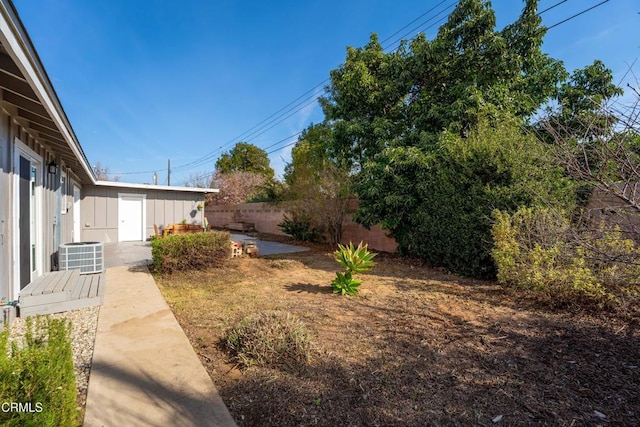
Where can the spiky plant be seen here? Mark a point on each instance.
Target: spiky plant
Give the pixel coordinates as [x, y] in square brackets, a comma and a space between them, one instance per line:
[354, 260]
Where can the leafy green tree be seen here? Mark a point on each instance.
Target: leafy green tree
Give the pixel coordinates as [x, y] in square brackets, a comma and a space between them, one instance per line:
[432, 132]
[245, 157]
[582, 100]
[438, 203]
[378, 100]
[319, 186]
[365, 101]
[581, 127]
[471, 66]
[310, 156]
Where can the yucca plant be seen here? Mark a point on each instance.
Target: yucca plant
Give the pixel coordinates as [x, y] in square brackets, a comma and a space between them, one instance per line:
[354, 260]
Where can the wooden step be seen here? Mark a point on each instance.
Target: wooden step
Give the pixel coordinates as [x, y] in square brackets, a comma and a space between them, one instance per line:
[60, 291]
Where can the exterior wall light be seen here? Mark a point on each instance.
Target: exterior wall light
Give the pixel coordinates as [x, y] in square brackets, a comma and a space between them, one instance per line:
[52, 168]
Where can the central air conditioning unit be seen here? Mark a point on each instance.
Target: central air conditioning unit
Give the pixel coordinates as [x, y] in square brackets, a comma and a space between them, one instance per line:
[88, 257]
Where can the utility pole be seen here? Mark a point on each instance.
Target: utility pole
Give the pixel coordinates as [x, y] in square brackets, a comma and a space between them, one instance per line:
[169, 172]
[155, 178]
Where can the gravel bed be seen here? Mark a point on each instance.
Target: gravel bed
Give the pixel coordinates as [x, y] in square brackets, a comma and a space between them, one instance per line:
[83, 334]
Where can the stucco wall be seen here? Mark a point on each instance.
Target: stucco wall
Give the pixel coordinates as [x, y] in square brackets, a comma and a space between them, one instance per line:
[267, 217]
[99, 210]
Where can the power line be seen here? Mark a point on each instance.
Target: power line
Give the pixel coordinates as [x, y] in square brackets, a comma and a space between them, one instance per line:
[284, 146]
[410, 23]
[281, 111]
[268, 122]
[253, 136]
[282, 140]
[577, 14]
[412, 31]
[278, 113]
[291, 109]
[284, 118]
[312, 90]
[551, 7]
[266, 148]
[449, 6]
[422, 24]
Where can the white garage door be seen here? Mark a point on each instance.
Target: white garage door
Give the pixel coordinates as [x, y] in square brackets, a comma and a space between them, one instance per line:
[131, 217]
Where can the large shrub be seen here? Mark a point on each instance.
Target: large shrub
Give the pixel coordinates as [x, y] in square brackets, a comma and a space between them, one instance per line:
[197, 251]
[437, 198]
[539, 249]
[38, 374]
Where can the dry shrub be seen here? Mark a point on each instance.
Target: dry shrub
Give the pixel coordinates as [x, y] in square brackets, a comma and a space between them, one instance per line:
[538, 249]
[197, 251]
[270, 338]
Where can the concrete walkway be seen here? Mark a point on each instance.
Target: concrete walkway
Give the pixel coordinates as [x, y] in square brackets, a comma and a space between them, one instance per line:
[269, 248]
[144, 370]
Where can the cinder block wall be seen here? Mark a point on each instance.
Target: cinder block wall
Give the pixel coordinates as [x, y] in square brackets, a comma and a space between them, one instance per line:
[267, 217]
[606, 206]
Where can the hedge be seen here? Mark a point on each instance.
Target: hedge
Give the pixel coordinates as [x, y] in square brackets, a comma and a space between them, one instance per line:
[197, 251]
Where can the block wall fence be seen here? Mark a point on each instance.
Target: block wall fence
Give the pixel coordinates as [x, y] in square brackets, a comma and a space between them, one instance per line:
[606, 206]
[266, 218]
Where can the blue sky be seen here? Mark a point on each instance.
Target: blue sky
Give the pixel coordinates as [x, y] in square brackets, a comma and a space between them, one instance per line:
[145, 81]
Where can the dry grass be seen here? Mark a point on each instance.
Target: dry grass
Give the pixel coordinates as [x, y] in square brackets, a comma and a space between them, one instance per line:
[416, 347]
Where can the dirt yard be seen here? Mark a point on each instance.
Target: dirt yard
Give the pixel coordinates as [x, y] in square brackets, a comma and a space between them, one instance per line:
[416, 347]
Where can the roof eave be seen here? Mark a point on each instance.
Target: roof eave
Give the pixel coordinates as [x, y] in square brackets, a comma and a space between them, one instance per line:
[16, 39]
[129, 185]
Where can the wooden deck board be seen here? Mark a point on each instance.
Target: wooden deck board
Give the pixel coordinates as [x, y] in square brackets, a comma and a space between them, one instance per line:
[89, 288]
[62, 291]
[95, 288]
[78, 289]
[43, 289]
[86, 286]
[66, 284]
[38, 285]
[49, 281]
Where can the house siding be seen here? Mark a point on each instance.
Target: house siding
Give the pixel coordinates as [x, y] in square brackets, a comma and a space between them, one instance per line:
[54, 227]
[5, 210]
[65, 207]
[99, 210]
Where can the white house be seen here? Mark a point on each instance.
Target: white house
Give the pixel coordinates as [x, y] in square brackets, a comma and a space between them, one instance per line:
[49, 194]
